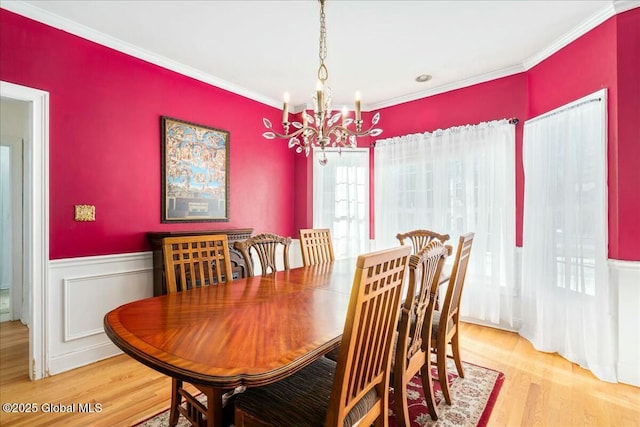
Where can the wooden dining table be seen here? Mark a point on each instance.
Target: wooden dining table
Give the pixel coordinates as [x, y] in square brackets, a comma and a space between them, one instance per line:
[248, 332]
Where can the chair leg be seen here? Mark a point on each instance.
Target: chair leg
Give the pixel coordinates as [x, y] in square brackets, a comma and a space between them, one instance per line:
[427, 387]
[175, 401]
[401, 399]
[441, 357]
[455, 349]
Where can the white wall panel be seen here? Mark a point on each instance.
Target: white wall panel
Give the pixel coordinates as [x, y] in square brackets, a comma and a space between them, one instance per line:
[82, 291]
[626, 275]
[81, 307]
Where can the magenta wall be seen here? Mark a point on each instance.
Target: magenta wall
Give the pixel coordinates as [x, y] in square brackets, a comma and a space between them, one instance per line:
[606, 57]
[104, 146]
[497, 99]
[105, 110]
[627, 157]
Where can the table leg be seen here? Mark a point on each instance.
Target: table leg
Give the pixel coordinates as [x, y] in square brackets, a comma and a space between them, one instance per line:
[214, 406]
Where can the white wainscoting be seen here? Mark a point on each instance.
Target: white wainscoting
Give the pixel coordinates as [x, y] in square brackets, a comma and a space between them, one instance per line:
[625, 277]
[81, 292]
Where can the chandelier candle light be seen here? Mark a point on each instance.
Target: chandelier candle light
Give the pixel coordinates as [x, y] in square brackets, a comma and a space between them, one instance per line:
[322, 129]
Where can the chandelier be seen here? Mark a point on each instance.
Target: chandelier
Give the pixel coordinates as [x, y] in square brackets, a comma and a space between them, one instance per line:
[325, 128]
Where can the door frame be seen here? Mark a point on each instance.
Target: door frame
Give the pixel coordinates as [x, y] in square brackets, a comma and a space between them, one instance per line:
[35, 222]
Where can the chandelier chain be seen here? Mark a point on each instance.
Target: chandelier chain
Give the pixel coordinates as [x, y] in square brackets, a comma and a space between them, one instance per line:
[323, 73]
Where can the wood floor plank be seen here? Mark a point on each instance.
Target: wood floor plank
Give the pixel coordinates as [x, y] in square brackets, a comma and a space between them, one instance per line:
[540, 389]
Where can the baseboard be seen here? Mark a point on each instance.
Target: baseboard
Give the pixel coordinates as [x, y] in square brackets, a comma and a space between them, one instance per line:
[629, 373]
[82, 357]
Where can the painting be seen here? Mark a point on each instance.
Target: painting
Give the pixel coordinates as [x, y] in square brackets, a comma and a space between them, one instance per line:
[195, 172]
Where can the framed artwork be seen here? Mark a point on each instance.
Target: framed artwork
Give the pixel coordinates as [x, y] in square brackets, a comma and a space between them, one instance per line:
[195, 172]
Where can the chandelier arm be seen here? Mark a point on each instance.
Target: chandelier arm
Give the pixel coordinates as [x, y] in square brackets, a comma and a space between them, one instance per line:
[306, 132]
[337, 129]
[288, 135]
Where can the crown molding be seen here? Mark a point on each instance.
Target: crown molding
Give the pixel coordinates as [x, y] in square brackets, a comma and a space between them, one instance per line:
[616, 6]
[56, 21]
[64, 24]
[481, 78]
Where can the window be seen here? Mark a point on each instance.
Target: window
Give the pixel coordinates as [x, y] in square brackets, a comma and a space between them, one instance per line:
[341, 199]
[456, 181]
[567, 304]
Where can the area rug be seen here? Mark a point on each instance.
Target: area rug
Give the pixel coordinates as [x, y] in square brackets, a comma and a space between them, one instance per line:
[473, 399]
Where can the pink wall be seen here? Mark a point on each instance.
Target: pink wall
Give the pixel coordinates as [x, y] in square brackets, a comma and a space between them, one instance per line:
[105, 110]
[106, 107]
[628, 152]
[583, 67]
[606, 57]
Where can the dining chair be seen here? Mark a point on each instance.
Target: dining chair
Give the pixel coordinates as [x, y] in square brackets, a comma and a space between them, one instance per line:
[420, 238]
[316, 246]
[192, 262]
[445, 326]
[413, 352]
[353, 390]
[196, 261]
[266, 246]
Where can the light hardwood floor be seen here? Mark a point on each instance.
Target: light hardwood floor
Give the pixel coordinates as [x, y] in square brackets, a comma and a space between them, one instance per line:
[540, 389]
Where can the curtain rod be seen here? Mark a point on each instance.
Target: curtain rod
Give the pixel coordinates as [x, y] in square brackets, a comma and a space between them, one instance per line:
[512, 121]
[562, 110]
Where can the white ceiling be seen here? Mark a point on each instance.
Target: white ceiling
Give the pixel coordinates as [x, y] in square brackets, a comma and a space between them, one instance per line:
[263, 48]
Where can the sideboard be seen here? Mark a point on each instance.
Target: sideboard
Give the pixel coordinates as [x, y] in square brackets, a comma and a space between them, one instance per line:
[155, 239]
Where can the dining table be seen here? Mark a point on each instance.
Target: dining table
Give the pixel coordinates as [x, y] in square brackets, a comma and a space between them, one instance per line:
[247, 332]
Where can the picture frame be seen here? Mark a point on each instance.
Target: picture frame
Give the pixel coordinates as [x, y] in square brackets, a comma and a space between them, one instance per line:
[195, 172]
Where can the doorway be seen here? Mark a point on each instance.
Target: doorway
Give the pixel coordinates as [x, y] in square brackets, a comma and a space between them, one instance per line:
[34, 256]
[12, 295]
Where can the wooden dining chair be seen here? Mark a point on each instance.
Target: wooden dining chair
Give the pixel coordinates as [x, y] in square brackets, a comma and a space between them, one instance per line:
[353, 390]
[196, 261]
[316, 246]
[446, 321]
[420, 238]
[192, 262]
[414, 332]
[266, 246]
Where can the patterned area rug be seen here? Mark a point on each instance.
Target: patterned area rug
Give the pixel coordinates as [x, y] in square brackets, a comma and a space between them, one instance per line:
[473, 399]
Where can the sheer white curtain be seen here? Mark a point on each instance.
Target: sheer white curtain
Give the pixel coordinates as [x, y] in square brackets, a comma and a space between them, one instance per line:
[568, 304]
[341, 199]
[454, 181]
